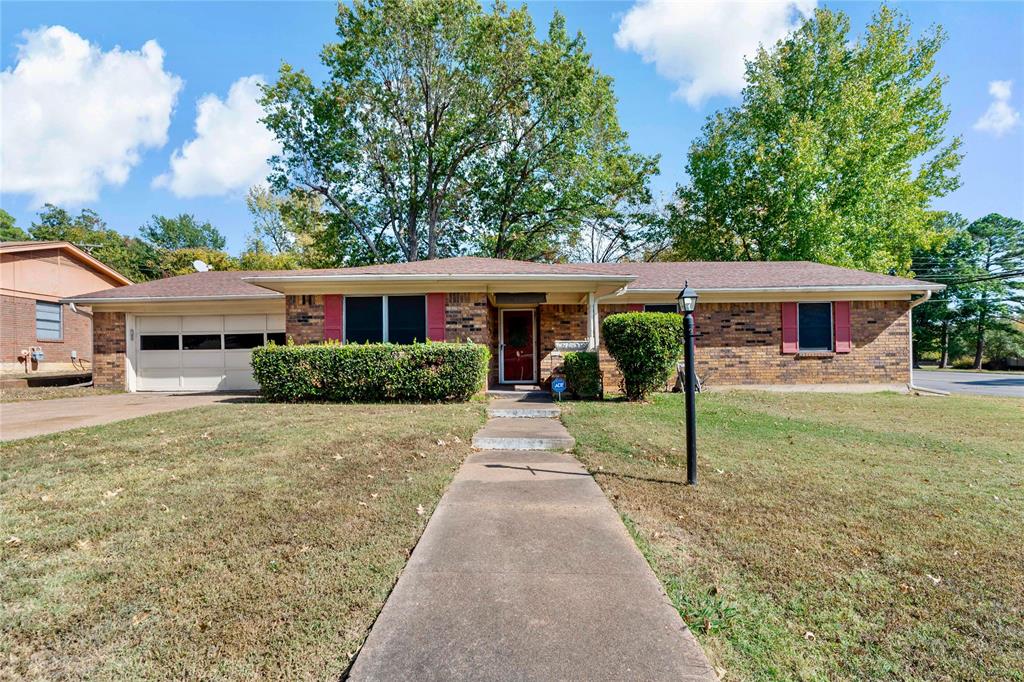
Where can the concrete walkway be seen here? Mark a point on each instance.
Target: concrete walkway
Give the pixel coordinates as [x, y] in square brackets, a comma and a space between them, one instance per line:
[526, 572]
[40, 417]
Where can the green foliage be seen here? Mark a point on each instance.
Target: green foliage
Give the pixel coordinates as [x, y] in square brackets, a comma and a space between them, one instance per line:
[9, 232]
[834, 155]
[583, 372]
[182, 232]
[381, 372]
[133, 258]
[982, 266]
[180, 261]
[444, 128]
[256, 257]
[645, 346]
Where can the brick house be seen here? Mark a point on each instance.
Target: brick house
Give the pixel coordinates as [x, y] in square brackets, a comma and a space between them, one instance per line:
[757, 323]
[37, 331]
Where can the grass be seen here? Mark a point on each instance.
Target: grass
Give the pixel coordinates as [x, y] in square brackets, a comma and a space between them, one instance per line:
[223, 542]
[830, 536]
[17, 395]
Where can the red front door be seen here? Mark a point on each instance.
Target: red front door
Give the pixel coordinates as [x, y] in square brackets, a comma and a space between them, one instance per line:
[517, 345]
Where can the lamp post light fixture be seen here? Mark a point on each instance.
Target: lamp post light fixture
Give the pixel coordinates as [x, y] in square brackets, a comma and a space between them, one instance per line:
[687, 303]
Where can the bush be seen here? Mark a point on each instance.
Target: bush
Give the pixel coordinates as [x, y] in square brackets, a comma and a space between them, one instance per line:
[583, 372]
[382, 372]
[645, 346]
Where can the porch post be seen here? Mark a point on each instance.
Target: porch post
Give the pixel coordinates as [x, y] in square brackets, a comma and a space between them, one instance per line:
[593, 324]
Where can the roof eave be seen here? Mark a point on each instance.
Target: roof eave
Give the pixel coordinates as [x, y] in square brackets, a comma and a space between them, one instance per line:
[86, 300]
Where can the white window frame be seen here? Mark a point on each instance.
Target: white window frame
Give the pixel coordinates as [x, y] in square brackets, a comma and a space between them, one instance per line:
[831, 328]
[385, 323]
[60, 321]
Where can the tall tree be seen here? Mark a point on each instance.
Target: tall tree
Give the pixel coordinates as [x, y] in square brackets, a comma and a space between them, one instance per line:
[9, 232]
[443, 128]
[998, 281]
[182, 231]
[834, 155]
[132, 257]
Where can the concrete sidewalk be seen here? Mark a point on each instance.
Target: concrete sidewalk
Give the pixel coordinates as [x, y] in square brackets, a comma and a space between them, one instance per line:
[40, 417]
[526, 572]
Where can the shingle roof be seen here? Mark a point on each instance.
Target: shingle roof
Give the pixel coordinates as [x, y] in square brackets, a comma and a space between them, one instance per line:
[703, 276]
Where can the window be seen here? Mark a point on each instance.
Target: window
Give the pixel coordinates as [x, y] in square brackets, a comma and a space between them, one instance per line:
[661, 308]
[242, 341]
[395, 319]
[48, 321]
[158, 342]
[407, 319]
[276, 337]
[200, 341]
[364, 319]
[815, 326]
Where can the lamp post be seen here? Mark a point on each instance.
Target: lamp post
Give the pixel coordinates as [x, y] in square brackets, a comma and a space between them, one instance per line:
[687, 302]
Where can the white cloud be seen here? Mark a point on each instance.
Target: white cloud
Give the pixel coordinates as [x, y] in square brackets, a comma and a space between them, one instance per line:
[230, 150]
[75, 118]
[1000, 118]
[701, 44]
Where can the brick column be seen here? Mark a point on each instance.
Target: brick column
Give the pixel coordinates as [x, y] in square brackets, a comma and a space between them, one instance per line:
[108, 350]
[304, 318]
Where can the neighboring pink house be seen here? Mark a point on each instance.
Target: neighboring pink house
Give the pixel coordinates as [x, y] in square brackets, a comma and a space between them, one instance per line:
[37, 331]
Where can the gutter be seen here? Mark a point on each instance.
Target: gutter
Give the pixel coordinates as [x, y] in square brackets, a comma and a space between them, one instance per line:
[285, 279]
[171, 299]
[910, 329]
[912, 288]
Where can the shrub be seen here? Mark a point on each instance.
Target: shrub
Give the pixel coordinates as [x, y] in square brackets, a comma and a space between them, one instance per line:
[381, 372]
[645, 346]
[583, 372]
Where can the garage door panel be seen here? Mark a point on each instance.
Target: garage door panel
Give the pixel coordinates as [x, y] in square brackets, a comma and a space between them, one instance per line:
[237, 359]
[202, 323]
[159, 379]
[159, 358]
[245, 323]
[202, 358]
[275, 322]
[160, 323]
[202, 379]
[240, 380]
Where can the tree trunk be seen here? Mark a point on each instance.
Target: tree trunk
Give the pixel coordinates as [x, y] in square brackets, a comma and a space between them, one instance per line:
[944, 346]
[979, 350]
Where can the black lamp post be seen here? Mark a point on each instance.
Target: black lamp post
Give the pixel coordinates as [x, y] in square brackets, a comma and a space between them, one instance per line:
[687, 302]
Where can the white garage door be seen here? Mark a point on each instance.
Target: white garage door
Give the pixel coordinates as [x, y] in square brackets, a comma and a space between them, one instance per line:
[201, 352]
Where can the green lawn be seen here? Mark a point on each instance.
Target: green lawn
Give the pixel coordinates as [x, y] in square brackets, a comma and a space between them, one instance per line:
[230, 541]
[831, 536]
[17, 395]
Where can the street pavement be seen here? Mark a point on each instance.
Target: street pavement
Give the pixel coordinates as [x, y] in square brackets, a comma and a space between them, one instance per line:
[1004, 384]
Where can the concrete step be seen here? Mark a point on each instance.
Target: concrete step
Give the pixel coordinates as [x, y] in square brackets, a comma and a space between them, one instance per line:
[523, 433]
[523, 408]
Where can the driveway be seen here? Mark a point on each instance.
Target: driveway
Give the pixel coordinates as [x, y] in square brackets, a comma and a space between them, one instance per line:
[40, 417]
[1004, 384]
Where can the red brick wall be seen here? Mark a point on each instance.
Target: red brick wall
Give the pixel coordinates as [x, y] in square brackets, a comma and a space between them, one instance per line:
[109, 346]
[741, 343]
[471, 317]
[304, 318]
[18, 332]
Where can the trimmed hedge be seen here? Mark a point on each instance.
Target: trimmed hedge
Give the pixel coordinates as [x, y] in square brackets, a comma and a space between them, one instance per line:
[583, 372]
[645, 346]
[379, 372]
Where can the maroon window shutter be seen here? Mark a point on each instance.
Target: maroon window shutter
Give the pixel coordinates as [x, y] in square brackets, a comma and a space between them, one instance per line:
[844, 335]
[435, 317]
[636, 307]
[333, 316]
[790, 329]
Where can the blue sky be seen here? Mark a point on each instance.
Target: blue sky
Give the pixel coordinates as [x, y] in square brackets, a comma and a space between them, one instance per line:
[672, 67]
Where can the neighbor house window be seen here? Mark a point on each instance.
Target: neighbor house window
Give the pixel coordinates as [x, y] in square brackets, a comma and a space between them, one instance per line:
[48, 321]
[395, 319]
[815, 326]
[661, 308]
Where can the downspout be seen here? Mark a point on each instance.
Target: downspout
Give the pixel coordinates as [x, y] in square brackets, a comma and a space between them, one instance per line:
[910, 329]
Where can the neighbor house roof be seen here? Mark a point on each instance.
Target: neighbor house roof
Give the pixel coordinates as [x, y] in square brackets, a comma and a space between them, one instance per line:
[78, 254]
[637, 277]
